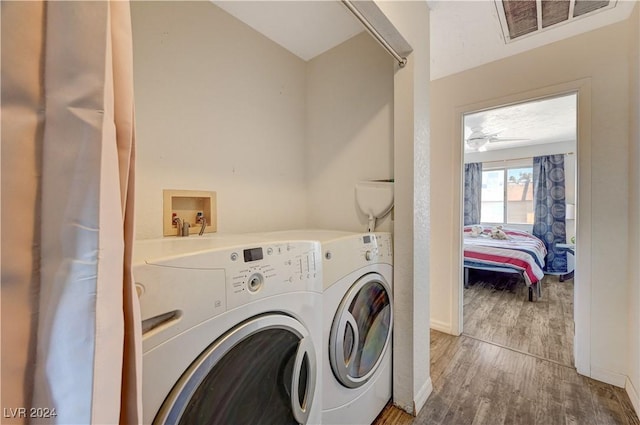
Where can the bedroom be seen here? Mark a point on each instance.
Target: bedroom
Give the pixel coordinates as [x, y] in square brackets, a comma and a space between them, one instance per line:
[605, 78]
[519, 221]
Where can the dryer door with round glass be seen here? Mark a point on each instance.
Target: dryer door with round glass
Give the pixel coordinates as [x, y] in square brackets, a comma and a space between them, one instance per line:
[262, 371]
[361, 330]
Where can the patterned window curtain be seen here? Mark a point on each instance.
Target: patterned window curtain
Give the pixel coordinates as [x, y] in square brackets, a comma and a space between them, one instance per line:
[549, 216]
[472, 192]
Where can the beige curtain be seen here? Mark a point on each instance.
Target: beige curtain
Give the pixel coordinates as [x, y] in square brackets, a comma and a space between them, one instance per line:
[70, 319]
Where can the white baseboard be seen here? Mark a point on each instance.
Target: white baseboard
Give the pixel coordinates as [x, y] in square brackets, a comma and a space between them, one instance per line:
[608, 377]
[422, 396]
[437, 325]
[633, 396]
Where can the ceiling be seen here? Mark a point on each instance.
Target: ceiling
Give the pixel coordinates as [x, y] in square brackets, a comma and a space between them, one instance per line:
[464, 34]
[306, 28]
[551, 120]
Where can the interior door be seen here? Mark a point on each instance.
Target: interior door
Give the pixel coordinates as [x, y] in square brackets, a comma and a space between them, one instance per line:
[262, 371]
[361, 330]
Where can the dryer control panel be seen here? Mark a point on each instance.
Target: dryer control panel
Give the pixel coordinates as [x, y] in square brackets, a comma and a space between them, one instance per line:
[270, 269]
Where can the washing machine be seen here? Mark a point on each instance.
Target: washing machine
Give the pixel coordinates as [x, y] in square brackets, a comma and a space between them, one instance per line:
[357, 323]
[231, 330]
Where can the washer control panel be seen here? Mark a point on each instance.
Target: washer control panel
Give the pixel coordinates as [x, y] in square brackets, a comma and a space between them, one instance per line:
[344, 255]
[376, 247]
[251, 270]
[363, 248]
[264, 270]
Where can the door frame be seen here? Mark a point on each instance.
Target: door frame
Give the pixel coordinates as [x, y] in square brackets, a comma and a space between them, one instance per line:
[582, 292]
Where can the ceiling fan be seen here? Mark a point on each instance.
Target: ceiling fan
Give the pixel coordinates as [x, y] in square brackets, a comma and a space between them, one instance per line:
[478, 139]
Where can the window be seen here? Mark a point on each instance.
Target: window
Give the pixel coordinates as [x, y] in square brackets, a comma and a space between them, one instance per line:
[507, 193]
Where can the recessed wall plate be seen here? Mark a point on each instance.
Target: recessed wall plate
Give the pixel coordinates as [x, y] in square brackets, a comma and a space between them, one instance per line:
[185, 205]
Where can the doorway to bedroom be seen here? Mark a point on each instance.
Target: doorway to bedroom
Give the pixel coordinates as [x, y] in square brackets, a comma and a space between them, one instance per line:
[520, 195]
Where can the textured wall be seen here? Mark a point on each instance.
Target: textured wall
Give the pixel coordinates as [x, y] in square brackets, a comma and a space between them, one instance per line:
[411, 382]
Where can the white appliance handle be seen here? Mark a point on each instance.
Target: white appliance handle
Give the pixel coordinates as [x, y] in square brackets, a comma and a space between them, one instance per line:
[301, 410]
[347, 319]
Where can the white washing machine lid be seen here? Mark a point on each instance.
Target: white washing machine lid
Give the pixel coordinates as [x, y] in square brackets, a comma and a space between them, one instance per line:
[171, 247]
[320, 235]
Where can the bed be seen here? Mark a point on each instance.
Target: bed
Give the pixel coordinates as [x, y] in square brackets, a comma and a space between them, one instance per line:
[520, 253]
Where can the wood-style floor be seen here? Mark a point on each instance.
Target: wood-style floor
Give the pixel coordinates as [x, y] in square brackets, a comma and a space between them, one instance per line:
[476, 382]
[496, 309]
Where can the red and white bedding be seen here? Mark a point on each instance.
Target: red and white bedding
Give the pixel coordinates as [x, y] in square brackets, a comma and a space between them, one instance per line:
[521, 251]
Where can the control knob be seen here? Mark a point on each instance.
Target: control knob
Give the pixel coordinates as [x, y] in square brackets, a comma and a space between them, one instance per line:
[368, 255]
[255, 282]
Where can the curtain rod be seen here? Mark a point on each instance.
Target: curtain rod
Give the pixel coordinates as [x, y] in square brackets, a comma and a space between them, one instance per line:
[519, 159]
[402, 61]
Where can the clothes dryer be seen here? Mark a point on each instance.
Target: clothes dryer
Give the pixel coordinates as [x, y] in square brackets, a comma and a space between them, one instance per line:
[231, 332]
[357, 323]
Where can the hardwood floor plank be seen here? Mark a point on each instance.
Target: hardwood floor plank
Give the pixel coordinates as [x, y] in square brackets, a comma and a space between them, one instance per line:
[546, 378]
[498, 311]
[525, 377]
[522, 411]
[480, 325]
[393, 416]
[606, 404]
[505, 311]
[577, 403]
[449, 385]
[549, 410]
[519, 334]
[485, 384]
[483, 412]
[463, 411]
[491, 411]
[442, 351]
[626, 406]
[433, 412]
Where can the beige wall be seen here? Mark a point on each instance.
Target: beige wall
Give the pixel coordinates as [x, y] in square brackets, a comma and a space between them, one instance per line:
[349, 130]
[218, 107]
[633, 386]
[602, 58]
[282, 141]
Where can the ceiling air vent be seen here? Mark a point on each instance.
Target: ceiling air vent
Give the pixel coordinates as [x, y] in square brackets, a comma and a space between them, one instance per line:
[554, 12]
[583, 7]
[525, 17]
